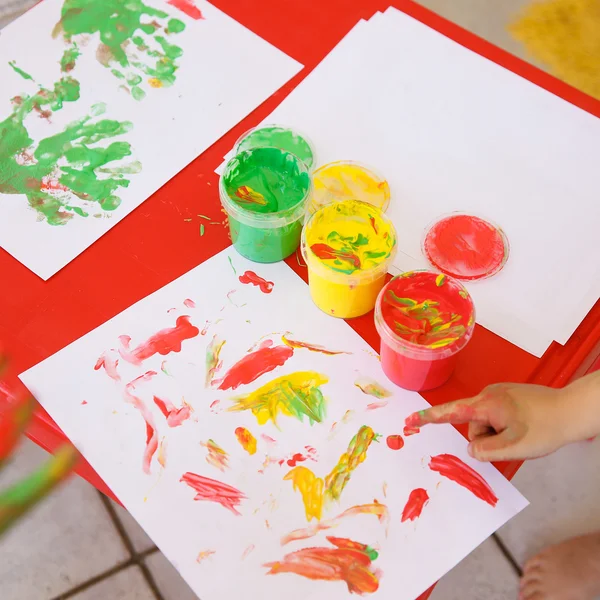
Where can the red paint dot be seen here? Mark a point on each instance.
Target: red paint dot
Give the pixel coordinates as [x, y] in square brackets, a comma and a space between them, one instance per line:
[395, 442]
[466, 247]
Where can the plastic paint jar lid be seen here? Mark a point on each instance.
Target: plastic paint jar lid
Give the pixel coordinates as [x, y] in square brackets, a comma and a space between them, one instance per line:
[349, 242]
[348, 180]
[425, 315]
[265, 188]
[277, 136]
[465, 247]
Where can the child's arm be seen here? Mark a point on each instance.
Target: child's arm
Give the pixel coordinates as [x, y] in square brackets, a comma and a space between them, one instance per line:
[517, 421]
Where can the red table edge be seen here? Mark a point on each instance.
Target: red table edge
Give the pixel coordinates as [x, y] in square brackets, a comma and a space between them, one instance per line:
[585, 356]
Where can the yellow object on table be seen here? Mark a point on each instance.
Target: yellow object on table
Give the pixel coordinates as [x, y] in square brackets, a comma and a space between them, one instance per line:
[565, 36]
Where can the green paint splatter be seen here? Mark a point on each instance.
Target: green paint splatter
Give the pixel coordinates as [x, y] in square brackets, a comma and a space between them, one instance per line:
[63, 168]
[69, 58]
[201, 229]
[120, 24]
[231, 263]
[20, 72]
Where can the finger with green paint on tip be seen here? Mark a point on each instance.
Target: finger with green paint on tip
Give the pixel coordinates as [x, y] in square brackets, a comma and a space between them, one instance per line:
[24, 495]
[13, 421]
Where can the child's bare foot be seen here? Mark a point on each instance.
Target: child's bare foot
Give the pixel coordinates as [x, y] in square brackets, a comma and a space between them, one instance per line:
[567, 571]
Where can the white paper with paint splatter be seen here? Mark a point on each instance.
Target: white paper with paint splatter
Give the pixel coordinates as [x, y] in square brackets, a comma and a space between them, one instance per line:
[453, 131]
[163, 427]
[83, 152]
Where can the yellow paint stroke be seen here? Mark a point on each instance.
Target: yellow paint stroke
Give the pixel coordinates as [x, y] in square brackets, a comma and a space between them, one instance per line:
[565, 36]
[204, 554]
[341, 181]
[315, 491]
[311, 488]
[155, 83]
[379, 510]
[370, 387]
[213, 363]
[295, 395]
[217, 457]
[249, 196]
[246, 439]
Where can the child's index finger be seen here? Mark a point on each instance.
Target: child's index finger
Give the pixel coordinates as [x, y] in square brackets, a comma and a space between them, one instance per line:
[457, 412]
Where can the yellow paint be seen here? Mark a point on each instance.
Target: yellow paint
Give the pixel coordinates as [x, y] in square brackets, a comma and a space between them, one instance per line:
[294, 395]
[565, 36]
[345, 282]
[246, 440]
[345, 180]
[311, 488]
[155, 83]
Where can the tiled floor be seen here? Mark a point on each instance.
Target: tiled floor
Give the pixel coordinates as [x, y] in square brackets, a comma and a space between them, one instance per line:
[79, 545]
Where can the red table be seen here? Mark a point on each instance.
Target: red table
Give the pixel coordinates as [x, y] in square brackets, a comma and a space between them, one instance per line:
[155, 244]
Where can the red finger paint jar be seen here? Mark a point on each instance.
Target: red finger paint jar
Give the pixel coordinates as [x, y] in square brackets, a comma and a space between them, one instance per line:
[424, 320]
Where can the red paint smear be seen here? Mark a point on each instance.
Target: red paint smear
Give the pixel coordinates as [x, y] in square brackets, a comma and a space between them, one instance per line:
[416, 501]
[84, 402]
[211, 490]
[189, 303]
[394, 442]
[175, 416]
[251, 277]
[296, 458]
[163, 342]
[187, 7]
[109, 365]
[255, 364]
[214, 404]
[312, 347]
[455, 469]
[349, 562]
[325, 252]
[408, 430]
[466, 247]
[151, 432]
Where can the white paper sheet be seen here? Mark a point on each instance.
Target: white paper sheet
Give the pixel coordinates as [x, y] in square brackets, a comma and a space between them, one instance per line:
[452, 131]
[92, 410]
[214, 89]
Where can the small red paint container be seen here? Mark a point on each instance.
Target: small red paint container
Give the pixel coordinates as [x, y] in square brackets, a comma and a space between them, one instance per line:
[424, 320]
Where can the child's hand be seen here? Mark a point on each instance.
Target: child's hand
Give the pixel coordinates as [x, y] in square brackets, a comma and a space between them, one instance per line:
[506, 421]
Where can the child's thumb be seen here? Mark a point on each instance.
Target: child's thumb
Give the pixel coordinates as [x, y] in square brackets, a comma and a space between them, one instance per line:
[497, 446]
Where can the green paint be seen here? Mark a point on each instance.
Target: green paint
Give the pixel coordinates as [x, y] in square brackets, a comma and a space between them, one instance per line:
[119, 23]
[231, 263]
[278, 137]
[201, 229]
[20, 72]
[371, 553]
[69, 58]
[63, 167]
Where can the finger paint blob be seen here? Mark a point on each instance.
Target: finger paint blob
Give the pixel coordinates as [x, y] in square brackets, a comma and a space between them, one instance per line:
[275, 136]
[347, 180]
[424, 320]
[348, 247]
[264, 192]
[466, 247]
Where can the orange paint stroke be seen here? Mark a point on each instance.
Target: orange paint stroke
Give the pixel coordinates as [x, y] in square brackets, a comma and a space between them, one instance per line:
[312, 347]
[109, 364]
[246, 439]
[379, 510]
[348, 561]
[204, 554]
[217, 457]
[162, 453]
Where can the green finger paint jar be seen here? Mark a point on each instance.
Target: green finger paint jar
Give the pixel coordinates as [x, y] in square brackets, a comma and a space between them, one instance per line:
[276, 136]
[264, 192]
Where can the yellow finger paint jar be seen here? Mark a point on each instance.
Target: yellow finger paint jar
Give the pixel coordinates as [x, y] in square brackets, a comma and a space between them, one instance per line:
[348, 180]
[348, 248]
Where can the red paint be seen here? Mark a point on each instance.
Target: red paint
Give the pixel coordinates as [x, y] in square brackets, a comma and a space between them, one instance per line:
[394, 442]
[189, 303]
[84, 402]
[163, 342]
[211, 490]
[110, 366]
[187, 7]
[466, 247]
[214, 404]
[411, 430]
[349, 562]
[296, 458]
[376, 405]
[175, 416]
[455, 469]
[407, 357]
[326, 252]
[416, 501]
[255, 364]
[251, 277]
[311, 347]
[15, 414]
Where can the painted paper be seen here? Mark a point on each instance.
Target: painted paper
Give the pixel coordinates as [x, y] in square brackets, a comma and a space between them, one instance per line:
[276, 470]
[91, 89]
